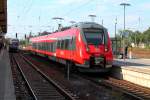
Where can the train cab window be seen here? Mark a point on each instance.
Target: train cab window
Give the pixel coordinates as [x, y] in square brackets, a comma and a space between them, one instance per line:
[105, 37]
[94, 36]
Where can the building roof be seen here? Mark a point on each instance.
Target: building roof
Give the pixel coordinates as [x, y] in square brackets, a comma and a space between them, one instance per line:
[3, 17]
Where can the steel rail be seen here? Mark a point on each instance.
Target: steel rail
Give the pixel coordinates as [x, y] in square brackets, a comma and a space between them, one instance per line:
[24, 77]
[59, 88]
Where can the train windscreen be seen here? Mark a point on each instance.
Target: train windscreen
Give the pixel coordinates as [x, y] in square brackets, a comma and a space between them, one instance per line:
[94, 36]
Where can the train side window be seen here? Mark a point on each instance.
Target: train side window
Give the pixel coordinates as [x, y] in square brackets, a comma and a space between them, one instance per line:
[55, 46]
[52, 47]
[39, 46]
[72, 44]
[66, 43]
[47, 46]
[42, 45]
[58, 44]
[61, 46]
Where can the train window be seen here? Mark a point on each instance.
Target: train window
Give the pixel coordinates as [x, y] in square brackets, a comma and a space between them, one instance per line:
[74, 44]
[58, 44]
[52, 47]
[94, 36]
[61, 42]
[45, 46]
[49, 47]
[41, 46]
[55, 44]
[105, 37]
[66, 44]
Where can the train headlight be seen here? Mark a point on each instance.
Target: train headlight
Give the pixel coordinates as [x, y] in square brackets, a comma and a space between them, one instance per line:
[87, 49]
[106, 49]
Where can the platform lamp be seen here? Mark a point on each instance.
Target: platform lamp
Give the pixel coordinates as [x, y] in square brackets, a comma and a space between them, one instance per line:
[124, 6]
[58, 19]
[92, 17]
[72, 22]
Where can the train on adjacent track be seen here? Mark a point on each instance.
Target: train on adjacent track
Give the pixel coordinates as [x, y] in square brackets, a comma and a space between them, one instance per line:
[13, 45]
[85, 45]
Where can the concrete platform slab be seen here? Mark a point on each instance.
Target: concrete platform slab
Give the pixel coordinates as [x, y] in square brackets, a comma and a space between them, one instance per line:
[134, 70]
[6, 82]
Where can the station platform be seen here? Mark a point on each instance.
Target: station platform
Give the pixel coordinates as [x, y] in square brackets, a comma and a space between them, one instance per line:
[6, 82]
[134, 70]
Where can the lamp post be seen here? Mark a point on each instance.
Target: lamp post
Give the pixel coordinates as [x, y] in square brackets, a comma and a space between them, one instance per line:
[124, 6]
[58, 19]
[72, 22]
[116, 33]
[92, 17]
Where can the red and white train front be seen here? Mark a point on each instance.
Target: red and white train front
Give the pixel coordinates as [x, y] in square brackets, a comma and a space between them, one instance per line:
[94, 47]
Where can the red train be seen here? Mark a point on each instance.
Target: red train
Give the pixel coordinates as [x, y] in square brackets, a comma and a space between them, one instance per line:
[86, 46]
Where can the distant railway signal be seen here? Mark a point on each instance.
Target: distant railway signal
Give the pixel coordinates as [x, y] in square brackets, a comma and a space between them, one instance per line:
[25, 36]
[16, 35]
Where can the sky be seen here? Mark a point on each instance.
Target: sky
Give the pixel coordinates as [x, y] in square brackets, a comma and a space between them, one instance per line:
[35, 16]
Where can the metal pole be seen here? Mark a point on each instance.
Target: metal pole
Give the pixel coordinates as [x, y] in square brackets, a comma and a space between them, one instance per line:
[124, 5]
[124, 34]
[116, 34]
[124, 17]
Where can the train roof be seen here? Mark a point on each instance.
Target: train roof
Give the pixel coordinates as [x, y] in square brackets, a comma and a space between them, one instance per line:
[88, 25]
[80, 25]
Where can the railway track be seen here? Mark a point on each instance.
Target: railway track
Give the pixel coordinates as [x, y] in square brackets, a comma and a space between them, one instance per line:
[128, 88]
[22, 91]
[136, 91]
[41, 87]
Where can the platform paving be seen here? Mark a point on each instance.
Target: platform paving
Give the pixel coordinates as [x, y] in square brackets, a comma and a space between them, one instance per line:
[134, 70]
[6, 82]
[132, 62]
